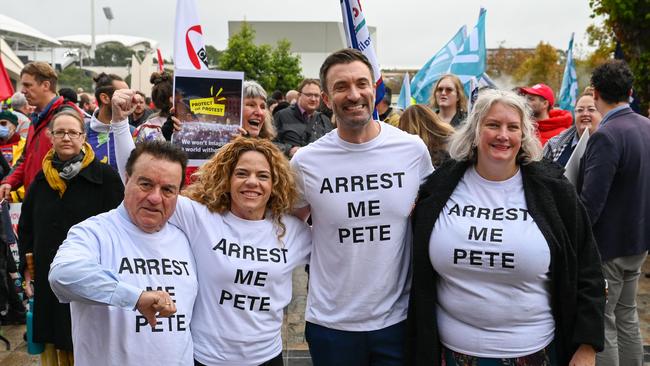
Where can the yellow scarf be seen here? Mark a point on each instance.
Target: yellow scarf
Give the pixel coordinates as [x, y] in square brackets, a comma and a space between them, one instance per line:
[52, 175]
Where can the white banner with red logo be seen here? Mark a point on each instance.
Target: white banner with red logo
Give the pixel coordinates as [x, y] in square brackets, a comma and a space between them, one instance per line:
[189, 48]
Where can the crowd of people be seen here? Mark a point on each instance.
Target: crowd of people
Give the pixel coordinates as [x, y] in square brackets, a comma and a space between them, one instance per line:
[435, 235]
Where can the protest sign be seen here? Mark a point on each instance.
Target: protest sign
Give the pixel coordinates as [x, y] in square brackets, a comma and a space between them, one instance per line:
[209, 105]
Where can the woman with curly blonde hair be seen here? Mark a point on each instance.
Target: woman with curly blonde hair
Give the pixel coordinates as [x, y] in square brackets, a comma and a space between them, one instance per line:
[246, 246]
[212, 187]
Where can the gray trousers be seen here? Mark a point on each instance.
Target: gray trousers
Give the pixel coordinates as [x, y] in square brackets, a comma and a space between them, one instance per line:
[623, 343]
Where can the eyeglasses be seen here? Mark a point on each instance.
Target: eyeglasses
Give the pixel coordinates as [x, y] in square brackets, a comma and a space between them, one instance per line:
[73, 135]
[311, 95]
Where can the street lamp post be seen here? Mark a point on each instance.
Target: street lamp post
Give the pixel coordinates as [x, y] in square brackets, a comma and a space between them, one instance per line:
[109, 16]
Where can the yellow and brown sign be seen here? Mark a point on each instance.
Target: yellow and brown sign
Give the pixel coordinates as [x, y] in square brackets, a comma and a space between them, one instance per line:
[209, 105]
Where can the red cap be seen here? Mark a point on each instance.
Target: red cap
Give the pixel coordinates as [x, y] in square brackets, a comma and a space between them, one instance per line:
[543, 91]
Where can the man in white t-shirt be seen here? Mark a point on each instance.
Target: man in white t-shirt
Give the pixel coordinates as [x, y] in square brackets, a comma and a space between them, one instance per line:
[130, 259]
[359, 182]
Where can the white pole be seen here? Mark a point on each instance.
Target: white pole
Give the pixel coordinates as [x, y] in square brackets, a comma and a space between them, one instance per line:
[92, 29]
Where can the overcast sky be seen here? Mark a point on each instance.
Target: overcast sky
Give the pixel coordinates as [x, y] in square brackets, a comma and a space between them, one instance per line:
[409, 31]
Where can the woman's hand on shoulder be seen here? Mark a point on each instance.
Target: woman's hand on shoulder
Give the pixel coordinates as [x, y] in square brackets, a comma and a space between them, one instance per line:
[585, 356]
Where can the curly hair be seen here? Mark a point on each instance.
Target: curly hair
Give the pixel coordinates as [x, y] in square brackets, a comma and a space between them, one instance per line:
[212, 184]
[613, 81]
[462, 146]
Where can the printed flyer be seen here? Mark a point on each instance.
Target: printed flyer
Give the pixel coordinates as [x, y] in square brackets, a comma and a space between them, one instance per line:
[209, 105]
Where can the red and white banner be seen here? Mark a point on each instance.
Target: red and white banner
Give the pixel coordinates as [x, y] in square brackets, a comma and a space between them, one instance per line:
[189, 48]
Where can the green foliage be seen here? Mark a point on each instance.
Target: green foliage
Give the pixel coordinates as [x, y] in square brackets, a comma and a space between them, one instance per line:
[543, 66]
[286, 67]
[213, 55]
[630, 22]
[112, 54]
[74, 77]
[272, 68]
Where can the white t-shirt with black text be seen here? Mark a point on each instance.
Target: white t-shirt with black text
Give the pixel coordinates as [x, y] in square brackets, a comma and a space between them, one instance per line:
[111, 335]
[361, 196]
[245, 282]
[493, 264]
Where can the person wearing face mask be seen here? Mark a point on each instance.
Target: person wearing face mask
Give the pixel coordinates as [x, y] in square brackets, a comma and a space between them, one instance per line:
[9, 139]
[559, 148]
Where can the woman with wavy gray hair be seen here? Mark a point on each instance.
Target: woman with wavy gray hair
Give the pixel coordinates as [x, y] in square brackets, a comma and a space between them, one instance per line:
[505, 267]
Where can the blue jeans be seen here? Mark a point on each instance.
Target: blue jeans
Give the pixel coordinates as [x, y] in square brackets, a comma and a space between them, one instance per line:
[383, 347]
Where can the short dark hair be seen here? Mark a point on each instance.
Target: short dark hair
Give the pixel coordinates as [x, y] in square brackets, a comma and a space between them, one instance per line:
[104, 85]
[68, 94]
[306, 82]
[344, 56]
[140, 94]
[41, 71]
[613, 81]
[161, 150]
[277, 95]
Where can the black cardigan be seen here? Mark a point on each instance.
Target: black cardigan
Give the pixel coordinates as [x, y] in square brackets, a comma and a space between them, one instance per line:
[577, 284]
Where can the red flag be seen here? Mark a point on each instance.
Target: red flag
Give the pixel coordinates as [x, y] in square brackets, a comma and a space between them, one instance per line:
[161, 66]
[6, 89]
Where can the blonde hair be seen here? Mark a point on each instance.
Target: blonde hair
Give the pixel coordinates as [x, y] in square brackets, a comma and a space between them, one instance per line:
[268, 129]
[461, 103]
[212, 181]
[420, 120]
[462, 146]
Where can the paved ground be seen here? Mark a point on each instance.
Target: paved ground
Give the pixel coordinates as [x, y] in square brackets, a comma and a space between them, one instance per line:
[296, 353]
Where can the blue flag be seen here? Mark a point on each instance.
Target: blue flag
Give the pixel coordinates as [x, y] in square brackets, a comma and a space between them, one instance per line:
[405, 93]
[436, 66]
[358, 36]
[569, 89]
[470, 61]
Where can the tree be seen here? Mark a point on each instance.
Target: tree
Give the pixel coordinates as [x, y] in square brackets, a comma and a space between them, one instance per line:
[603, 39]
[74, 77]
[286, 67]
[543, 67]
[505, 61]
[270, 67]
[112, 54]
[213, 55]
[629, 20]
